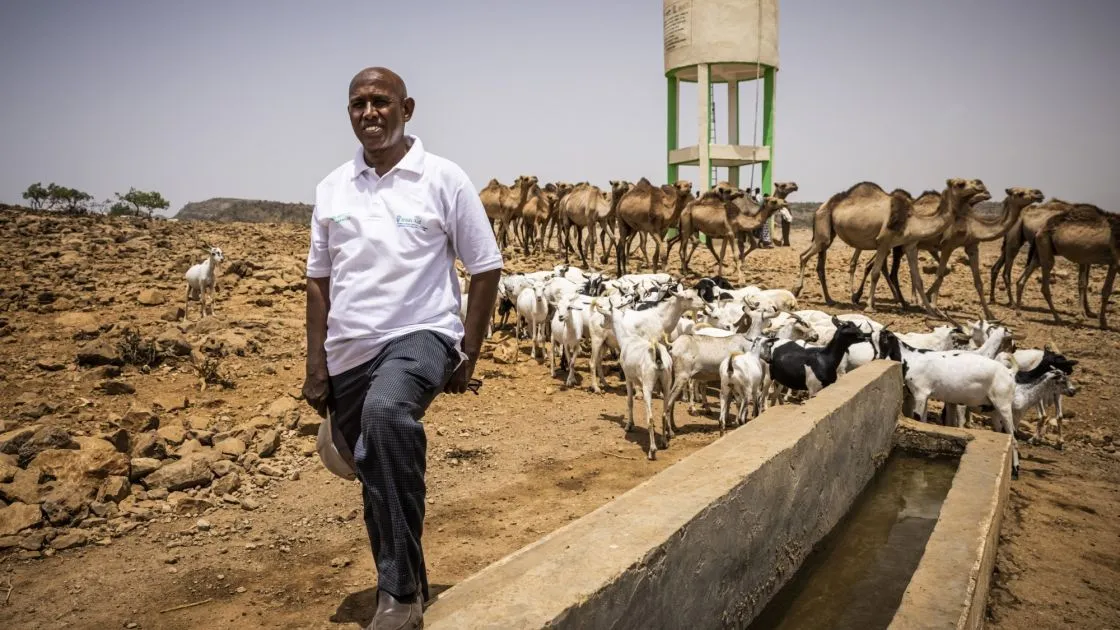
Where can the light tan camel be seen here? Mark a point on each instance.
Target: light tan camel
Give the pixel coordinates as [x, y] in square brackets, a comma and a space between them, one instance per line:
[968, 231]
[866, 217]
[1024, 232]
[1086, 236]
[723, 215]
[645, 208]
[491, 196]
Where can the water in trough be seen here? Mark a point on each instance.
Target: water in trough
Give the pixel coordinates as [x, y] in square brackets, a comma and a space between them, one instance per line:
[856, 576]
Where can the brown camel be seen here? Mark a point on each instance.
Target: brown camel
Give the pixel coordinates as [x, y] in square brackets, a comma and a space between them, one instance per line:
[1023, 232]
[645, 208]
[513, 203]
[585, 207]
[723, 215]
[968, 231]
[1086, 236]
[535, 215]
[867, 217]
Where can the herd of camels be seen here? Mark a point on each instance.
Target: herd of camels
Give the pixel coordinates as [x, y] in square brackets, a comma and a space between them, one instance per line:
[865, 216]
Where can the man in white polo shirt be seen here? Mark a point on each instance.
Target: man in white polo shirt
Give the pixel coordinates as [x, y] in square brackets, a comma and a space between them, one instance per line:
[384, 335]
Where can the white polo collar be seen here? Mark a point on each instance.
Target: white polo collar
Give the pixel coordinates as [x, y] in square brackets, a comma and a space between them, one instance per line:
[413, 160]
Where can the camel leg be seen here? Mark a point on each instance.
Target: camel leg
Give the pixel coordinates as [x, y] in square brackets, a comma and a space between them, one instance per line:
[892, 278]
[852, 276]
[1106, 291]
[658, 242]
[1083, 289]
[1047, 267]
[567, 234]
[821, 259]
[813, 249]
[606, 232]
[719, 258]
[942, 271]
[876, 269]
[590, 246]
[738, 271]
[973, 252]
[1021, 283]
[622, 249]
[916, 277]
[642, 248]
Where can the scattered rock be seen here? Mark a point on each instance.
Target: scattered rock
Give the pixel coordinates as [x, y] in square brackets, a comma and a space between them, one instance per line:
[281, 407]
[249, 503]
[267, 443]
[308, 424]
[151, 297]
[116, 388]
[231, 447]
[173, 434]
[69, 540]
[45, 438]
[100, 351]
[142, 467]
[186, 473]
[17, 517]
[226, 484]
[139, 419]
[114, 489]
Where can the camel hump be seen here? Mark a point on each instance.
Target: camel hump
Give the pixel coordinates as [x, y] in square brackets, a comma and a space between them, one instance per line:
[901, 205]
[1079, 214]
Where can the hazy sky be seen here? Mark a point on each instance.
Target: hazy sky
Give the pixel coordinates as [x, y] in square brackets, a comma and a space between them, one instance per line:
[244, 98]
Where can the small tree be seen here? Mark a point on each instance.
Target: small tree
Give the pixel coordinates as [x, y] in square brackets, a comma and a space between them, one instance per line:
[120, 209]
[70, 200]
[36, 194]
[143, 200]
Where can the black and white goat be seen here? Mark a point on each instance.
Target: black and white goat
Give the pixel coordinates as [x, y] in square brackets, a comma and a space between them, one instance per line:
[811, 369]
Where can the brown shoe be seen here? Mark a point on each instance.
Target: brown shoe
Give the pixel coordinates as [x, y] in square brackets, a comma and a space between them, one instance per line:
[393, 614]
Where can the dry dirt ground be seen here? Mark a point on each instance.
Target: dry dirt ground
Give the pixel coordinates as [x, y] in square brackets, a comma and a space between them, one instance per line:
[284, 546]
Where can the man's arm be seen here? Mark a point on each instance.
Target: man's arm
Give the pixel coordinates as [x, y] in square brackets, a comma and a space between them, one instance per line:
[316, 384]
[480, 306]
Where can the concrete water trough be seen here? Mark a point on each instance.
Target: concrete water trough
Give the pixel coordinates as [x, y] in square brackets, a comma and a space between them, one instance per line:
[712, 540]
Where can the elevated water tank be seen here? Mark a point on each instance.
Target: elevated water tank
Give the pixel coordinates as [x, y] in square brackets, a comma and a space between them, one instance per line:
[736, 37]
[721, 41]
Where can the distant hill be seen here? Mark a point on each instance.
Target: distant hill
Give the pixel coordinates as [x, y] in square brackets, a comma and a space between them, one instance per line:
[245, 210]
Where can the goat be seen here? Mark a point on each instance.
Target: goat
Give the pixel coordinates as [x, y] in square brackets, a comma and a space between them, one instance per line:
[811, 369]
[705, 287]
[956, 378]
[568, 328]
[646, 363]
[1051, 385]
[741, 377]
[202, 280]
[532, 306]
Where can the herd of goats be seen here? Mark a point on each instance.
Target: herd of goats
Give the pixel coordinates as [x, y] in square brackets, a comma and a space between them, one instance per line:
[755, 344]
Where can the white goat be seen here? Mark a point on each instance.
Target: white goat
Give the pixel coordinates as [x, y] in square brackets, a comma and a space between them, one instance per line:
[742, 378]
[532, 306]
[568, 329]
[646, 363]
[957, 378]
[1051, 386]
[202, 280]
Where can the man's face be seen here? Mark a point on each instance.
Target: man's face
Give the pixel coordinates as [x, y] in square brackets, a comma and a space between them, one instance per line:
[378, 113]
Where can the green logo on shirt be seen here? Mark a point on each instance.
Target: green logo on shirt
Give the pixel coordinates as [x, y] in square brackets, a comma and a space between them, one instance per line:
[411, 222]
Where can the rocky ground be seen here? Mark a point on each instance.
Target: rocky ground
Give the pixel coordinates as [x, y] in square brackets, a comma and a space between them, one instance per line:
[149, 461]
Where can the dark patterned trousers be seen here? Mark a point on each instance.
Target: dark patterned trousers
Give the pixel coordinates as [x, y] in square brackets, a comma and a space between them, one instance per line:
[378, 406]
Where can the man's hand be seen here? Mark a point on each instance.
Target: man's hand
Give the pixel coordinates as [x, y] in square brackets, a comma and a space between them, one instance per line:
[459, 380]
[316, 391]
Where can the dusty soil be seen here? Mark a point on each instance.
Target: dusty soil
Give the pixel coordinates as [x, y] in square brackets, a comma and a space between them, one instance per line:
[524, 457]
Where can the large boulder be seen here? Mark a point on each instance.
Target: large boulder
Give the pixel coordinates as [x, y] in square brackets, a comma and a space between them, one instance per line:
[189, 472]
[17, 517]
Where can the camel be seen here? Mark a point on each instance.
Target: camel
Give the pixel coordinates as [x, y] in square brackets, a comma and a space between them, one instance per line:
[968, 231]
[645, 208]
[513, 201]
[1023, 232]
[867, 217]
[585, 207]
[724, 215]
[535, 215]
[491, 196]
[1085, 236]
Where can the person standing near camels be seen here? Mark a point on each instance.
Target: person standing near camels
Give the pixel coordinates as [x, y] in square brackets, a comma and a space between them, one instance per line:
[384, 336]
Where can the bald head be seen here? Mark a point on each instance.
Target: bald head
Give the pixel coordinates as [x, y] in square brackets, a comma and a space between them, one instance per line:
[384, 76]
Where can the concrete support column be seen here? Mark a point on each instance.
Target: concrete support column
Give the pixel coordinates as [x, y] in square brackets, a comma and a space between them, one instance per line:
[704, 120]
[733, 126]
[672, 107]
